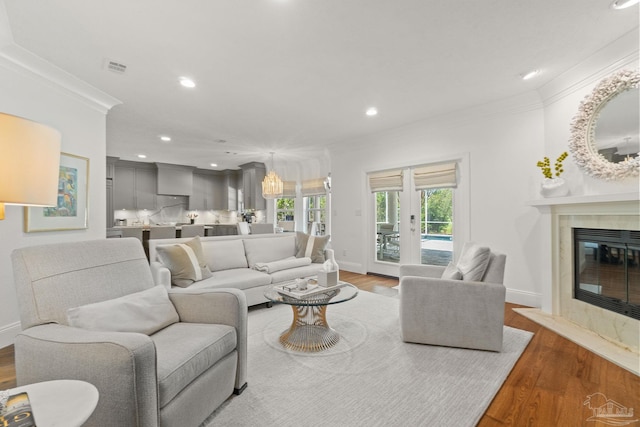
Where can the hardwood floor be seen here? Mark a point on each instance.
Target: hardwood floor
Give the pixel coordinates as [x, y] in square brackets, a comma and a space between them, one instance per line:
[547, 386]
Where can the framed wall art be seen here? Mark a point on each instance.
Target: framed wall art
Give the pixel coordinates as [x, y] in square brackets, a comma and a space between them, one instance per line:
[73, 191]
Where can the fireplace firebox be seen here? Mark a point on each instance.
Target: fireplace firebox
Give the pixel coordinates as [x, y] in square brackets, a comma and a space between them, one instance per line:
[607, 269]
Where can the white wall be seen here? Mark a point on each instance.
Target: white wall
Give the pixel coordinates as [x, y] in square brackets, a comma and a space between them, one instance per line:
[503, 142]
[82, 122]
[562, 98]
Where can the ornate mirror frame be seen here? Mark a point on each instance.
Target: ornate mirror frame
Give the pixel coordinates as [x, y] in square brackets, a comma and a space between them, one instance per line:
[582, 141]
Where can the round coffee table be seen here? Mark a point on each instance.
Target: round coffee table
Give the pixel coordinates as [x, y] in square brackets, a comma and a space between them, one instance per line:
[60, 403]
[309, 330]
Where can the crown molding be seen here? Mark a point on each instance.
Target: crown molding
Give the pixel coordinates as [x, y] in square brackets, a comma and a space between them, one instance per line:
[619, 54]
[21, 60]
[16, 58]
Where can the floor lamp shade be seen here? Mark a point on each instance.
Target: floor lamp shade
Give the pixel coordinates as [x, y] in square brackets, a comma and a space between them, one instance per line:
[29, 162]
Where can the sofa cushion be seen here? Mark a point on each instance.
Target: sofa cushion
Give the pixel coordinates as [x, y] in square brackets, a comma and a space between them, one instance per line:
[473, 262]
[294, 273]
[184, 351]
[269, 249]
[224, 255]
[239, 278]
[145, 312]
[185, 261]
[452, 272]
[311, 246]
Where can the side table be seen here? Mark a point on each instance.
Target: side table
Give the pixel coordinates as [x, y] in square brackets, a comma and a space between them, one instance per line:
[60, 403]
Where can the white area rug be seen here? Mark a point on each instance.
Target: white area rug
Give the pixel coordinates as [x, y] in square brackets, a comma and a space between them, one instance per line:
[370, 378]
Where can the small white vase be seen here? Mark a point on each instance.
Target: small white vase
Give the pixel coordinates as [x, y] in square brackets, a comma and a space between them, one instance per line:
[330, 264]
[554, 187]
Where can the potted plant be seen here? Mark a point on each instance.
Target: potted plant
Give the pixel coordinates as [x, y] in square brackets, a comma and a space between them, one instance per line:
[553, 185]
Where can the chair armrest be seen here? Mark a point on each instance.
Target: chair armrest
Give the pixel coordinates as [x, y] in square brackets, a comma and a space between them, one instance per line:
[121, 365]
[225, 306]
[421, 270]
[161, 274]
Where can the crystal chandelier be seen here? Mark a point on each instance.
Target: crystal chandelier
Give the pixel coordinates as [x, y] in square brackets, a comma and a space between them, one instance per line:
[272, 187]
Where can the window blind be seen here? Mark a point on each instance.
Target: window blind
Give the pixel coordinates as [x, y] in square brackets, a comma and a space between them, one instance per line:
[442, 175]
[289, 189]
[313, 187]
[390, 180]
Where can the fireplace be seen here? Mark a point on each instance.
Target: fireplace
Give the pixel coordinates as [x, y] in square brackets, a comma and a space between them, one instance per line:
[607, 269]
[611, 334]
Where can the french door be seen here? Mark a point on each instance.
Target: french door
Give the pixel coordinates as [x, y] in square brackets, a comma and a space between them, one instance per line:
[410, 226]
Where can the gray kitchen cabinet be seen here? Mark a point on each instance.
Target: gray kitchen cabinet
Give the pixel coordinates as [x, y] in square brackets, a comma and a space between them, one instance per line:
[197, 199]
[207, 191]
[216, 195]
[124, 182]
[252, 176]
[110, 205]
[229, 200]
[145, 188]
[134, 188]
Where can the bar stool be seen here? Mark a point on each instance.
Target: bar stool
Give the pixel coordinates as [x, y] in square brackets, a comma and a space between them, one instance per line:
[192, 230]
[162, 232]
[132, 232]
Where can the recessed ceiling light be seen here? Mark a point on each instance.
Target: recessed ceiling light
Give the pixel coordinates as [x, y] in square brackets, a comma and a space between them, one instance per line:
[373, 111]
[623, 4]
[214, 165]
[165, 138]
[142, 156]
[187, 82]
[529, 75]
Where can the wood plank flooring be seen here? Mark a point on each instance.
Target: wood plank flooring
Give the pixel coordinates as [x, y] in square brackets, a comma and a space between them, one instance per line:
[547, 387]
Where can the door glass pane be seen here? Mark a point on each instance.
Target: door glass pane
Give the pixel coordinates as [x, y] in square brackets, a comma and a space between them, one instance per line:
[436, 226]
[316, 215]
[388, 226]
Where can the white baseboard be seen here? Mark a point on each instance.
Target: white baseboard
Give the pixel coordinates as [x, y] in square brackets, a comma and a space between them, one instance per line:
[8, 334]
[353, 267]
[530, 299]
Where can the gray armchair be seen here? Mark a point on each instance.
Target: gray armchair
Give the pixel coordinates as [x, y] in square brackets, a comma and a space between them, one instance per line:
[176, 376]
[453, 313]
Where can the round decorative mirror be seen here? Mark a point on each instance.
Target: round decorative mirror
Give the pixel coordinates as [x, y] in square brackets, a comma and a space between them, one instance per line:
[605, 134]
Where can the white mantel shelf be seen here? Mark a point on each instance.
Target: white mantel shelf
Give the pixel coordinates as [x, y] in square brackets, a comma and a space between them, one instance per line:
[578, 200]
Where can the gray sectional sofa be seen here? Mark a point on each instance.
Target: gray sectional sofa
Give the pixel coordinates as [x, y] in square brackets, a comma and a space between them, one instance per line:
[233, 260]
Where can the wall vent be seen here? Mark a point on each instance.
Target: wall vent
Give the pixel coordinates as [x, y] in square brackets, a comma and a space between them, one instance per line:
[115, 66]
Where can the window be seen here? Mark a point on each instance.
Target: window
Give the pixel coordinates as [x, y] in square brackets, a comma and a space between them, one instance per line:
[285, 209]
[315, 208]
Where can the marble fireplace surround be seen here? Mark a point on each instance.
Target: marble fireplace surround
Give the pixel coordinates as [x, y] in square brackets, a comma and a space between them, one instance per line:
[610, 335]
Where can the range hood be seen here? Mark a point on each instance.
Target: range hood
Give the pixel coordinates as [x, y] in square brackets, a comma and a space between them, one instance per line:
[175, 180]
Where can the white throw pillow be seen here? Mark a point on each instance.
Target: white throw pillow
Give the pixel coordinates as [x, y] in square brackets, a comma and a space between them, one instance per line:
[473, 262]
[145, 312]
[452, 272]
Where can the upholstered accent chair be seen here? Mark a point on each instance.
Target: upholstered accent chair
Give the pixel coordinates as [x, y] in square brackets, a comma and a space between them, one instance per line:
[171, 365]
[456, 306]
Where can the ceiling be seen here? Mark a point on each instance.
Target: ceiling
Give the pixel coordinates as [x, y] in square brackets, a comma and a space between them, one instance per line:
[296, 76]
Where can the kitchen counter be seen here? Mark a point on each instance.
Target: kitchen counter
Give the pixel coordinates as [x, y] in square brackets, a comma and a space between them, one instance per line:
[209, 229]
